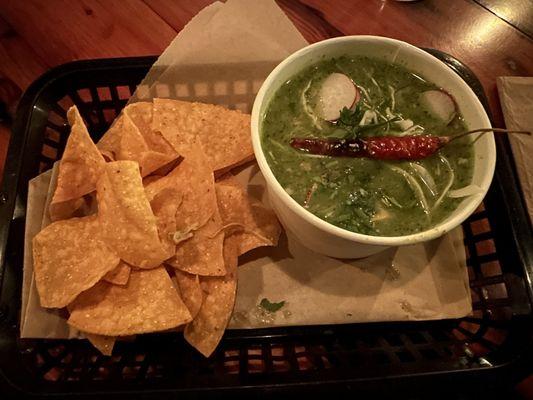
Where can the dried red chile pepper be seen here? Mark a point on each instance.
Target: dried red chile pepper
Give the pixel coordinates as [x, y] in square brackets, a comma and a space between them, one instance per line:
[380, 148]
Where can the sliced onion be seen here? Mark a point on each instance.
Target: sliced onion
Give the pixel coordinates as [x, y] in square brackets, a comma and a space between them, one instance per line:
[466, 191]
[381, 215]
[439, 103]
[404, 124]
[337, 92]
[415, 129]
[368, 117]
[393, 97]
[415, 187]
[451, 178]
[425, 177]
[307, 109]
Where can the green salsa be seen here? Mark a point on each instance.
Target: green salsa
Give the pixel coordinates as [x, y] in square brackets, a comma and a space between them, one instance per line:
[373, 197]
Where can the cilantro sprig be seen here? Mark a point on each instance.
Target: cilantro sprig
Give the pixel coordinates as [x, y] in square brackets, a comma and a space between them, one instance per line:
[349, 120]
[271, 307]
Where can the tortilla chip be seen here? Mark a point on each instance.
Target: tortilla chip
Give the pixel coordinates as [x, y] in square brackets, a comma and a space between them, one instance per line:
[199, 197]
[166, 169]
[66, 209]
[81, 207]
[123, 141]
[119, 275]
[206, 330]
[202, 254]
[81, 164]
[190, 290]
[141, 115]
[224, 134]
[195, 181]
[164, 200]
[70, 256]
[148, 303]
[104, 344]
[261, 226]
[128, 223]
[109, 143]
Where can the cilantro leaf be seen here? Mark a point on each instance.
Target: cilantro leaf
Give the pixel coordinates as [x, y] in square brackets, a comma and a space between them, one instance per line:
[349, 119]
[271, 307]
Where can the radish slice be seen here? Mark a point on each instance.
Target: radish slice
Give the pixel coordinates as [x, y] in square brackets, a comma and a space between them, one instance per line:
[337, 91]
[439, 103]
[466, 191]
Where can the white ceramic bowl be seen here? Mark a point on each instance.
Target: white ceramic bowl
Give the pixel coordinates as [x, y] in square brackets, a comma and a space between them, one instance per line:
[328, 239]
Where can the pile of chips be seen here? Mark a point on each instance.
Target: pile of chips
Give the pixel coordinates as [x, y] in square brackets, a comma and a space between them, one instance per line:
[149, 224]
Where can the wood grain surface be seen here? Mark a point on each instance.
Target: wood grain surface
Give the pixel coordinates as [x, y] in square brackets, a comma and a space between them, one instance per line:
[490, 36]
[518, 13]
[493, 37]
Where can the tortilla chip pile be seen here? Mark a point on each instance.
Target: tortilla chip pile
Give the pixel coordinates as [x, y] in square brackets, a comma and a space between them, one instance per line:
[144, 237]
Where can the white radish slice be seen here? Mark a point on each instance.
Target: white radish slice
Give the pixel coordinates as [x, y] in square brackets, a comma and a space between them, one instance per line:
[466, 191]
[439, 103]
[337, 91]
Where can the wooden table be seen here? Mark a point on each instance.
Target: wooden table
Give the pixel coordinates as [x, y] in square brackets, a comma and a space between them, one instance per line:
[493, 37]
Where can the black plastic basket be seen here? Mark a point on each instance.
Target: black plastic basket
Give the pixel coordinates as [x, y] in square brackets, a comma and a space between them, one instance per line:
[481, 354]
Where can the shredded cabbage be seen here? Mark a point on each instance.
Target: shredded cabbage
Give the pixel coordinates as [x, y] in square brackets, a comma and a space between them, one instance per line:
[306, 108]
[450, 181]
[415, 187]
[425, 177]
[368, 117]
[466, 191]
[393, 98]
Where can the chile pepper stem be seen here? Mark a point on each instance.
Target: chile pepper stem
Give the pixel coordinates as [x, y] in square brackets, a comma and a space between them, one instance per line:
[485, 130]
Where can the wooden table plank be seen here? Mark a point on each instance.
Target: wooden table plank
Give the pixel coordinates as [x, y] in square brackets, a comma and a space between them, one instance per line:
[19, 67]
[308, 21]
[177, 13]
[61, 31]
[462, 28]
[518, 13]
[20, 64]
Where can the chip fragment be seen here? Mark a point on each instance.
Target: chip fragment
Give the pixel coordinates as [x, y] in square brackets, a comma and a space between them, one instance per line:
[124, 141]
[70, 256]
[196, 179]
[190, 290]
[223, 134]
[194, 192]
[128, 223]
[206, 330]
[148, 303]
[165, 198]
[81, 164]
[141, 114]
[119, 275]
[202, 254]
[104, 344]
[260, 226]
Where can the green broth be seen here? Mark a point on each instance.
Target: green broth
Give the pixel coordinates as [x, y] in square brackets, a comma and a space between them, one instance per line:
[363, 195]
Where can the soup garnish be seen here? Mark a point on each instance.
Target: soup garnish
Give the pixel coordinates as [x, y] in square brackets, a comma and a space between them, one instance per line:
[396, 178]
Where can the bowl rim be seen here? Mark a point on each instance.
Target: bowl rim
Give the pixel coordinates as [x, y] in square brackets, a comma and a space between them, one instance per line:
[429, 234]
